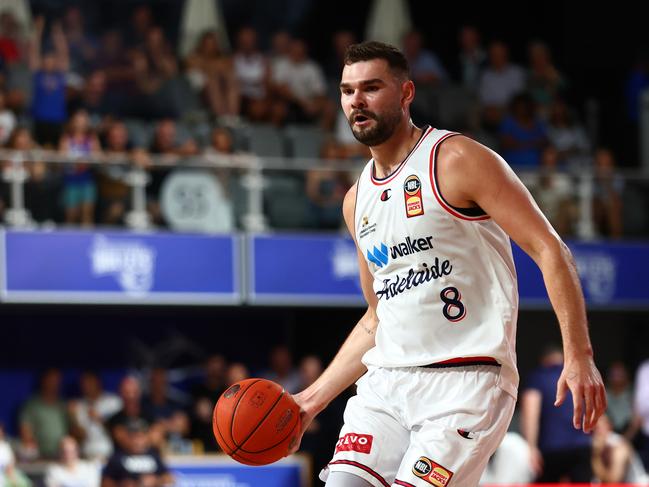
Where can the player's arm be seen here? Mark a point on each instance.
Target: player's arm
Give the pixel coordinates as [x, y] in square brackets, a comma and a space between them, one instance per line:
[346, 367]
[495, 188]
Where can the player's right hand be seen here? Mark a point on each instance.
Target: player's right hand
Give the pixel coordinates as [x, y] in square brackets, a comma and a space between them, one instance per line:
[306, 417]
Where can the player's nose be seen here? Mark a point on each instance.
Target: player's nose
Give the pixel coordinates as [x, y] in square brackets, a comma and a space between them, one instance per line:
[358, 100]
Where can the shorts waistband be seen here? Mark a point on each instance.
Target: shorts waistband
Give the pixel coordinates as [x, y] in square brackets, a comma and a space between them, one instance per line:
[462, 362]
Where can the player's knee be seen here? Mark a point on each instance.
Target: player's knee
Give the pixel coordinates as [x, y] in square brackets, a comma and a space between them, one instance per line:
[345, 479]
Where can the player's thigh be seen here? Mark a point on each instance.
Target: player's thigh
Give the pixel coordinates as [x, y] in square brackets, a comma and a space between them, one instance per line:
[372, 442]
[441, 451]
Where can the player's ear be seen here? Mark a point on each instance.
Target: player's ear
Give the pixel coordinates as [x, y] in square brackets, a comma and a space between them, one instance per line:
[407, 92]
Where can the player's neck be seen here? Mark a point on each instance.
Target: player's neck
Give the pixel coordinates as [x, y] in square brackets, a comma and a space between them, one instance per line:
[389, 155]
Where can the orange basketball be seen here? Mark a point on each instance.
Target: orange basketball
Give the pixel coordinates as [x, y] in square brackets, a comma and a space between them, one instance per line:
[256, 421]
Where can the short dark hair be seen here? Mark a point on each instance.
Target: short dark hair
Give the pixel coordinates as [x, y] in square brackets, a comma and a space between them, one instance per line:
[366, 51]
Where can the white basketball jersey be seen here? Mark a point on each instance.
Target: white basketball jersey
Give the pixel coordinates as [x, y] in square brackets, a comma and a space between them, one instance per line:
[444, 276]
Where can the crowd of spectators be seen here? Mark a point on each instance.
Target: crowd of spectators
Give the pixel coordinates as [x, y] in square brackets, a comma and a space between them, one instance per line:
[86, 438]
[127, 90]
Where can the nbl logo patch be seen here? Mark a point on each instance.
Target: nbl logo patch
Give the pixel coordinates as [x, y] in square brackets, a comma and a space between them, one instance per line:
[412, 195]
[432, 472]
[355, 442]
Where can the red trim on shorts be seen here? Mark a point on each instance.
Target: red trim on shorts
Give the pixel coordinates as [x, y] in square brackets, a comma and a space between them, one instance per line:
[380, 182]
[436, 191]
[365, 468]
[401, 482]
[467, 360]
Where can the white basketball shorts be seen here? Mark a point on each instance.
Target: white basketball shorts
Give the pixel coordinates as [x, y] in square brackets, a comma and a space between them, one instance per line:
[419, 427]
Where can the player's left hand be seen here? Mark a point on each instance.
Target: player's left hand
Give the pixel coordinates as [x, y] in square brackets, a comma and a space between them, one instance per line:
[588, 393]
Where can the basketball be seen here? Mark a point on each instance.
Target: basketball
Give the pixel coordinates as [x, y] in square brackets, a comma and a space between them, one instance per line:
[256, 422]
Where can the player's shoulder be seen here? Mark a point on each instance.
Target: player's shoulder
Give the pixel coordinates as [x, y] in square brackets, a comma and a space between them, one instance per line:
[463, 153]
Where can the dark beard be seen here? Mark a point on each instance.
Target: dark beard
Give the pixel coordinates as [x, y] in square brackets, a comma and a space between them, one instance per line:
[382, 130]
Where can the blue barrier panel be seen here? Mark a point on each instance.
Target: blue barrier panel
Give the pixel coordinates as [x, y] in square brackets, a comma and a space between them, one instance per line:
[303, 269]
[220, 471]
[120, 268]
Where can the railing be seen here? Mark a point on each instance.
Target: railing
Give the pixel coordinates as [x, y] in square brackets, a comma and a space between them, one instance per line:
[253, 173]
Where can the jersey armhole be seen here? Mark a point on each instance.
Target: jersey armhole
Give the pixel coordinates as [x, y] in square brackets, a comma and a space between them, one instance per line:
[358, 183]
[473, 213]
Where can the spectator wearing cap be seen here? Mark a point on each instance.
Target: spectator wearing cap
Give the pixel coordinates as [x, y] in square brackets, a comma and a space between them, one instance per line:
[137, 463]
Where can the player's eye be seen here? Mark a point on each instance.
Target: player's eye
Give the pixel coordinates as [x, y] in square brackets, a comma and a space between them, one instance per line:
[347, 91]
[372, 88]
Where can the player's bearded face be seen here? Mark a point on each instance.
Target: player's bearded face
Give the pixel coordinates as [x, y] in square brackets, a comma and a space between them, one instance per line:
[378, 132]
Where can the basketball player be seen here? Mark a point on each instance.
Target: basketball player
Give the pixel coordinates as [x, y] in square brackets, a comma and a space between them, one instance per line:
[431, 215]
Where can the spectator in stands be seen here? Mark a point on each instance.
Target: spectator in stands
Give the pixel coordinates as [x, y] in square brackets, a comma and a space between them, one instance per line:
[559, 451]
[425, 66]
[131, 395]
[236, 373]
[89, 415]
[510, 464]
[7, 120]
[10, 476]
[113, 60]
[167, 410]
[544, 81]
[300, 89]
[323, 430]
[472, 58]
[523, 135]
[281, 369]
[50, 68]
[82, 45]
[114, 192]
[607, 200]
[326, 187]
[212, 75]
[201, 426]
[70, 470]
[554, 193]
[614, 460]
[641, 409]
[620, 397]
[568, 136]
[154, 66]
[93, 98]
[341, 40]
[13, 61]
[252, 70]
[214, 383]
[280, 48]
[136, 31]
[43, 418]
[43, 186]
[79, 190]
[165, 143]
[138, 463]
[499, 82]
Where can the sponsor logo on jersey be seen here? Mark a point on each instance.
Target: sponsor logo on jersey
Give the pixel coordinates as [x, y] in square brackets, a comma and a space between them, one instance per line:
[415, 277]
[380, 257]
[366, 228]
[412, 195]
[355, 442]
[385, 196]
[432, 472]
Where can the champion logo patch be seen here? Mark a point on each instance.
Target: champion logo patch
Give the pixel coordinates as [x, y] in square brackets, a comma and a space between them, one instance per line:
[355, 442]
[385, 196]
[412, 195]
[432, 472]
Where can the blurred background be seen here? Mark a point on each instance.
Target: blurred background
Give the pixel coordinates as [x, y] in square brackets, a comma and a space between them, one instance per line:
[172, 180]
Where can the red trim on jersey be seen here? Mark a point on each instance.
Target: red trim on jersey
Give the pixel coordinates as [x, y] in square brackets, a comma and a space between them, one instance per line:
[464, 360]
[401, 482]
[362, 467]
[438, 193]
[380, 182]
